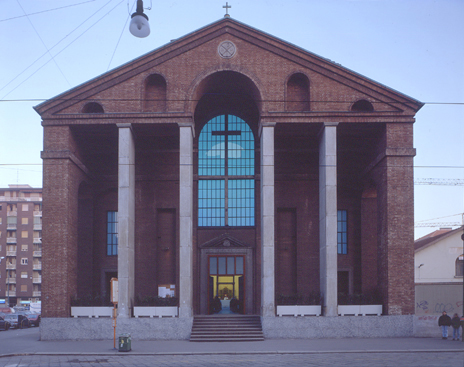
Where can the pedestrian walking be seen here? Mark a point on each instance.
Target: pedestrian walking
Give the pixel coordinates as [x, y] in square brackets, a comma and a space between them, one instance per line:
[444, 321]
[456, 324]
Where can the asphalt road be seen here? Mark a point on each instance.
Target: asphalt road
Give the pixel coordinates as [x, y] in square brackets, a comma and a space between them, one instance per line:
[23, 348]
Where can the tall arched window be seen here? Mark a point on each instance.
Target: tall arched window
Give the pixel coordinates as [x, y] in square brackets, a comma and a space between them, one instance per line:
[226, 169]
[460, 266]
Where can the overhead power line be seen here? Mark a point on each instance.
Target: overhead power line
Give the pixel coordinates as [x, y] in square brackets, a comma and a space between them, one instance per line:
[195, 100]
[45, 11]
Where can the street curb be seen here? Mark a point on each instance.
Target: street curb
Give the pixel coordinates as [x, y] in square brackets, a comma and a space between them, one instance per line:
[132, 353]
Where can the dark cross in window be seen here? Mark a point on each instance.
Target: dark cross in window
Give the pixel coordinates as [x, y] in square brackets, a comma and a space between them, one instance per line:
[226, 134]
[227, 7]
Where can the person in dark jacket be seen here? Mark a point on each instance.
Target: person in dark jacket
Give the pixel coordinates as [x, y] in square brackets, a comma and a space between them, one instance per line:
[444, 321]
[456, 324]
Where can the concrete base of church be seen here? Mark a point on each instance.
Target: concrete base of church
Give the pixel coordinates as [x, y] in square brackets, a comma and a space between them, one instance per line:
[338, 327]
[102, 328]
[287, 327]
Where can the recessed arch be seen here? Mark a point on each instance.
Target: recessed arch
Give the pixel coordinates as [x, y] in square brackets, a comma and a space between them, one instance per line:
[297, 93]
[154, 99]
[93, 107]
[226, 92]
[362, 105]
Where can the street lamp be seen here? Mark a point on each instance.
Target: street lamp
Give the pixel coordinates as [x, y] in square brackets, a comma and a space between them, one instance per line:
[139, 26]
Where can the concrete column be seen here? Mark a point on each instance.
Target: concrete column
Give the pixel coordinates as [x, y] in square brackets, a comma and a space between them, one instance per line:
[267, 221]
[186, 134]
[328, 217]
[126, 219]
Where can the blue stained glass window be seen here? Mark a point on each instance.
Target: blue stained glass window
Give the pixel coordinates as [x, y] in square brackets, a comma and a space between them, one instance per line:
[226, 168]
[342, 237]
[112, 233]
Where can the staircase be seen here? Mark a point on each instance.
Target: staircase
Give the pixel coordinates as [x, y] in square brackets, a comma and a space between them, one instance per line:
[226, 328]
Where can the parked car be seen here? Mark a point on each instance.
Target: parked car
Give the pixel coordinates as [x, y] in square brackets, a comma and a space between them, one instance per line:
[34, 318]
[4, 325]
[17, 321]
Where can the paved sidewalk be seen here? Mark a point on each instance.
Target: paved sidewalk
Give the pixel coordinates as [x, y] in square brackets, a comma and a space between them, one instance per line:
[26, 342]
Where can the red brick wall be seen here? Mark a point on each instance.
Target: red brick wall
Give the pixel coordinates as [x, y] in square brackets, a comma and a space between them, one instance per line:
[252, 84]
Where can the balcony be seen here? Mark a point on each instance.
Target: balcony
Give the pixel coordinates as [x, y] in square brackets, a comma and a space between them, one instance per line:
[11, 240]
[37, 280]
[12, 213]
[11, 227]
[37, 227]
[10, 294]
[11, 280]
[36, 294]
[11, 253]
[37, 266]
[36, 240]
[37, 213]
[37, 253]
[11, 266]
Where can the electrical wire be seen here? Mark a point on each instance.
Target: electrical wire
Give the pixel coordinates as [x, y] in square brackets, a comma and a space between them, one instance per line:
[120, 36]
[196, 100]
[61, 49]
[43, 43]
[45, 11]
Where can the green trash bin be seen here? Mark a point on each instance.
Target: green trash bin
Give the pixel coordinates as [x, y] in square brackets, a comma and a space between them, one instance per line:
[125, 343]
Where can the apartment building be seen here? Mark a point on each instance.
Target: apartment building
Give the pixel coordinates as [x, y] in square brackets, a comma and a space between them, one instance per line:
[20, 245]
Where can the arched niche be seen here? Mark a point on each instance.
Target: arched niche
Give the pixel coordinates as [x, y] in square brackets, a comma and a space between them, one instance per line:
[154, 99]
[297, 98]
[362, 105]
[93, 107]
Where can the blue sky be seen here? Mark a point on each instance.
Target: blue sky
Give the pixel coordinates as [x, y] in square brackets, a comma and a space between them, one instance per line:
[413, 46]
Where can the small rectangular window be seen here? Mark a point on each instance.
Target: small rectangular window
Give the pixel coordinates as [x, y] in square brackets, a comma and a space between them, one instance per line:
[24, 221]
[342, 232]
[24, 234]
[12, 220]
[25, 207]
[24, 247]
[23, 287]
[24, 261]
[24, 274]
[112, 233]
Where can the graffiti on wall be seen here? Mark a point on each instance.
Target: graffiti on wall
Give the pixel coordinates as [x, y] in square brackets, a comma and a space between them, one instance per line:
[424, 307]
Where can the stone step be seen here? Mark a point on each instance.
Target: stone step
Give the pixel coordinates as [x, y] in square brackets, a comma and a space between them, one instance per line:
[222, 328]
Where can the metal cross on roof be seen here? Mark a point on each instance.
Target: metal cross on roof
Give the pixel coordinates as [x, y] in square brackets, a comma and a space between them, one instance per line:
[227, 7]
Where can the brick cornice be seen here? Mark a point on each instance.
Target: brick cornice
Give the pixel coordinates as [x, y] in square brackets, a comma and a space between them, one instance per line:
[65, 154]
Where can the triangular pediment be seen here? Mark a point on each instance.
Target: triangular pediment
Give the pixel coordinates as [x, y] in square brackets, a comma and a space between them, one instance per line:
[225, 241]
[198, 52]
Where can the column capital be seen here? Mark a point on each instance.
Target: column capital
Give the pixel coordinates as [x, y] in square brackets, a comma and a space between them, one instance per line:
[324, 125]
[123, 125]
[263, 125]
[187, 124]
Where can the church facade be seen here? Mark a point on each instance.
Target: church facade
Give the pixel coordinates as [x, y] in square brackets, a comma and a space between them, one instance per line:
[230, 164]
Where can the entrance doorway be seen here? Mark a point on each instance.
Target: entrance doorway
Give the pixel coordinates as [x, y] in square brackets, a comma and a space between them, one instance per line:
[226, 293]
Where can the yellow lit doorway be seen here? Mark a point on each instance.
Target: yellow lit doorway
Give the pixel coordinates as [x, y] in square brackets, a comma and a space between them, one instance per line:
[226, 284]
